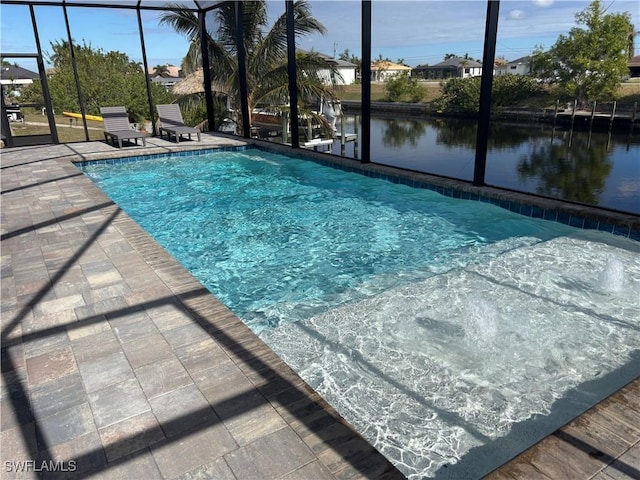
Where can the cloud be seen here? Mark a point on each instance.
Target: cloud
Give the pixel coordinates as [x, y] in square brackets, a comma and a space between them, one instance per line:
[543, 3]
[516, 15]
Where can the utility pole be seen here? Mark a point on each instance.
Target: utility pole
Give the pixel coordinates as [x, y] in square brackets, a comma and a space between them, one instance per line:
[335, 49]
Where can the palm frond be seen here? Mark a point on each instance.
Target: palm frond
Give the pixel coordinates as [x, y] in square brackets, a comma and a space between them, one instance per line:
[181, 20]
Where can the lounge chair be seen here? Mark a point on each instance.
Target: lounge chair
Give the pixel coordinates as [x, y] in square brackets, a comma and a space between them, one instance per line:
[171, 122]
[117, 127]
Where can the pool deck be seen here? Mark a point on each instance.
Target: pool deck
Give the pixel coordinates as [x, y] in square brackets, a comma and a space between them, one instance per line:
[117, 363]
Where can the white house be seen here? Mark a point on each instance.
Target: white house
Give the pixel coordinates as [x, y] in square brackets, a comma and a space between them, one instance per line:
[346, 72]
[521, 66]
[383, 70]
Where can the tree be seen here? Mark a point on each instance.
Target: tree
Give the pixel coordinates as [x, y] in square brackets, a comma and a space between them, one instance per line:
[106, 79]
[588, 63]
[266, 53]
[161, 70]
[349, 57]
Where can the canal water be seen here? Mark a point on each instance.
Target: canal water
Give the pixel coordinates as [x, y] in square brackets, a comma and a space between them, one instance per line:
[595, 168]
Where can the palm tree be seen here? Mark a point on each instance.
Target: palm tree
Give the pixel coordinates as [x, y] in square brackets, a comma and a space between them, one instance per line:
[161, 70]
[266, 53]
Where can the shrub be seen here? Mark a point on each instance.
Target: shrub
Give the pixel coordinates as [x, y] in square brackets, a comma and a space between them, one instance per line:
[402, 87]
[463, 94]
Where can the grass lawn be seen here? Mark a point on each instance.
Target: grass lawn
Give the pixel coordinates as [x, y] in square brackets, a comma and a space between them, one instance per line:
[628, 93]
[69, 129]
[354, 92]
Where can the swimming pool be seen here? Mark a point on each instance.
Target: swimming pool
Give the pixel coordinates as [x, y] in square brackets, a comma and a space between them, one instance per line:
[452, 334]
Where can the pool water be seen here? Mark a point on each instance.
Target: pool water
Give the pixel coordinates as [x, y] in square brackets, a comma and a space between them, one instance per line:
[451, 333]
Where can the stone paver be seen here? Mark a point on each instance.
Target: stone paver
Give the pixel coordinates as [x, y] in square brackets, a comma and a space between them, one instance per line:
[116, 360]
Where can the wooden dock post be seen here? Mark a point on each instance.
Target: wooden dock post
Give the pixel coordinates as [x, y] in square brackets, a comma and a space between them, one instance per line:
[573, 114]
[613, 115]
[593, 114]
[633, 117]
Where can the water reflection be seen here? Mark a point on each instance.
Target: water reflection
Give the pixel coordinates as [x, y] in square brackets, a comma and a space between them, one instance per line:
[598, 168]
[400, 132]
[576, 171]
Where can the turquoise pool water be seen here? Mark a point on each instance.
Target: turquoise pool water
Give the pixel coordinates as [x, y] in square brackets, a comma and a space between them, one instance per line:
[452, 334]
[279, 239]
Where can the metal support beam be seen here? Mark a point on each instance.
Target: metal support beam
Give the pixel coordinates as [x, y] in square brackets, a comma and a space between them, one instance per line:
[206, 72]
[486, 82]
[291, 68]
[152, 114]
[75, 73]
[242, 70]
[155, 6]
[43, 80]
[365, 75]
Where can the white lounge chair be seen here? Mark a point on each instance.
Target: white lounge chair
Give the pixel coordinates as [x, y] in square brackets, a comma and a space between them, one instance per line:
[171, 122]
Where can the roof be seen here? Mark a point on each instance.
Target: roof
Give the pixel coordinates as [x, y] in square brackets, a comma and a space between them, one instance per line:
[456, 62]
[172, 70]
[337, 61]
[526, 59]
[11, 72]
[387, 65]
[342, 63]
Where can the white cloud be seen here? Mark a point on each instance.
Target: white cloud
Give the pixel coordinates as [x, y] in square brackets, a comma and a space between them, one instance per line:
[543, 3]
[516, 15]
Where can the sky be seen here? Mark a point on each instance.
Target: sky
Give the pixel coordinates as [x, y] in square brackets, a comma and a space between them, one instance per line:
[416, 31]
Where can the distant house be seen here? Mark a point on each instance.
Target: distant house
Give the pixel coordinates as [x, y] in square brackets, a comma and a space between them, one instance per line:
[383, 70]
[520, 66]
[634, 67]
[454, 67]
[169, 79]
[16, 76]
[166, 82]
[172, 71]
[346, 72]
